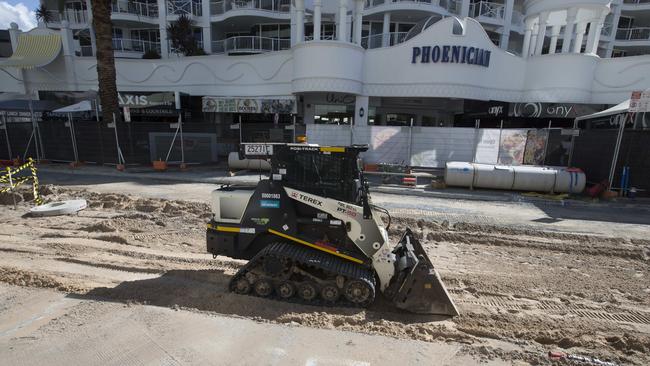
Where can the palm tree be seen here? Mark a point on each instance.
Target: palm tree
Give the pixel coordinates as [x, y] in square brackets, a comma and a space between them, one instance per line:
[106, 75]
[182, 38]
[43, 14]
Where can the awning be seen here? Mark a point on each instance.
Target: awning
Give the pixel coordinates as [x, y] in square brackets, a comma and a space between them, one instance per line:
[83, 106]
[34, 50]
[24, 105]
[617, 109]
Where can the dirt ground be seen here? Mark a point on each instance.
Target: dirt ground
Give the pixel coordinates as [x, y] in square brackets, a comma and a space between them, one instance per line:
[521, 292]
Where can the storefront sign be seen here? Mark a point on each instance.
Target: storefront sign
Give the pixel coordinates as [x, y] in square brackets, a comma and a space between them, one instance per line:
[551, 110]
[336, 98]
[451, 54]
[144, 100]
[280, 105]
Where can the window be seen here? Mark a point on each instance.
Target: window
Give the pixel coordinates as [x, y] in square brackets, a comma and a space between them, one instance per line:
[333, 114]
[399, 119]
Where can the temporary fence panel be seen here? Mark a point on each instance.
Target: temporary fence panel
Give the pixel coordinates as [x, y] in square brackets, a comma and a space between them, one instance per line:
[593, 151]
[512, 147]
[487, 145]
[197, 147]
[57, 141]
[386, 144]
[333, 135]
[435, 146]
[634, 153]
[23, 144]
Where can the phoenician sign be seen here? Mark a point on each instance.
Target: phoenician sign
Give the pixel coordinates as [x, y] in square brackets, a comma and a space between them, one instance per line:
[452, 55]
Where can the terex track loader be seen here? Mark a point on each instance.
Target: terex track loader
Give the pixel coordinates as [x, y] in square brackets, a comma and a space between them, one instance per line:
[311, 234]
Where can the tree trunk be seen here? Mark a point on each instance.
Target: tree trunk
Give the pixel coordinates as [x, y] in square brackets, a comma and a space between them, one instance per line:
[105, 59]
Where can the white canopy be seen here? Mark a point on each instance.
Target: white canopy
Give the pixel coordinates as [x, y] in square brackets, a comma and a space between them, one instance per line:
[83, 106]
[622, 107]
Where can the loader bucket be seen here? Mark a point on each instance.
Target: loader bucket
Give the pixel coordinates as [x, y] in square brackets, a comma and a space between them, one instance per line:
[416, 286]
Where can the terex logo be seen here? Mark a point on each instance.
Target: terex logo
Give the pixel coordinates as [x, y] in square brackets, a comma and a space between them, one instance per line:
[311, 200]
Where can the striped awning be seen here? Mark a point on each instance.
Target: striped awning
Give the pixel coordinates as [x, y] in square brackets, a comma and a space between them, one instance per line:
[34, 51]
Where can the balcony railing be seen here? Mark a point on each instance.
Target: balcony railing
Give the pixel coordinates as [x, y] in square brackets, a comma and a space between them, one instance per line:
[187, 7]
[487, 9]
[633, 34]
[72, 16]
[219, 7]
[452, 6]
[134, 45]
[176, 52]
[323, 37]
[136, 8]
[636, 2]
[383, 40]
[250, 44]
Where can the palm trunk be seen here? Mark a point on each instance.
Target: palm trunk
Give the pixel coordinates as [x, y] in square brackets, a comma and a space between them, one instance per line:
[106, 75]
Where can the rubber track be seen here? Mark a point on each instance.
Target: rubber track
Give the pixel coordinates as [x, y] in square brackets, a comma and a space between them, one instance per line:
[308, 257]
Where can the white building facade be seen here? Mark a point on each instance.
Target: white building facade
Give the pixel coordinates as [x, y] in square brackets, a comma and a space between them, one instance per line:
[364, 63]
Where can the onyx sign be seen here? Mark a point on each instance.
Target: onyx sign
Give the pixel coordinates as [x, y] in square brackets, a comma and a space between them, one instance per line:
[451, 55]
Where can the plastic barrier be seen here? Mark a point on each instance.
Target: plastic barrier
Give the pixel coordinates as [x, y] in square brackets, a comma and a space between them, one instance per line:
[12, 178]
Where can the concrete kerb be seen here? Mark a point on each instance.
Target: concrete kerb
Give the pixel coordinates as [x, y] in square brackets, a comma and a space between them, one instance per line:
[491, 196]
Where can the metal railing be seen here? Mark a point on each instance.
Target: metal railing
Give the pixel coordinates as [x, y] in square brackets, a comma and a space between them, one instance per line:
[72, 16]
[218, 7]
[250, 44]
[323, 37]
[134, 45]
[188, 7]
[487, 9]
[636, 2]
[135, 7]
[452, 6]
[633, 34]
[383, 40]
[86, 51]
[176, 52]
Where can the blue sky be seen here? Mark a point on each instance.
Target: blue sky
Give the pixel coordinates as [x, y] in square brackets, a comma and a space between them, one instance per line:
[18, 11]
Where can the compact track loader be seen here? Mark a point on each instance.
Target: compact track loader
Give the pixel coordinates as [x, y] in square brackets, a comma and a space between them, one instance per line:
[311, 234]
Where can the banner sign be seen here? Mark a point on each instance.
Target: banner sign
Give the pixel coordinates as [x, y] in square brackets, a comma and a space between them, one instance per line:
[280, 105]
[145, 100]
[513, 145]
[640, 101]
[535, 147]
[552, 110]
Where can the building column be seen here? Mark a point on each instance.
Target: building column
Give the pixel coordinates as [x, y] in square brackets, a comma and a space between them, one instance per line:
[14, 32]
[342, 24]
[206, 27]
[358, 21]
[527, 38]
[385, 37]
[568, 29]
[361, 111]
[464, 9]
[533, 39]
[162, 26]
[580, 35]
[507, 23]
[555, 33]
[592, 47]
[541, 34]
[91, 29]
[300, 21]
[317, 19]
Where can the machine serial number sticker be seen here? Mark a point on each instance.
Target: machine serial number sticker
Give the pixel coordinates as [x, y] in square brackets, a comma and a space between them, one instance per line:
[258, 149]
[270, 203]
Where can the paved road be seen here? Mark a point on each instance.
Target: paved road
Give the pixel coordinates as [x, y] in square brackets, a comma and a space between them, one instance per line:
[40, 326]
[571, 217]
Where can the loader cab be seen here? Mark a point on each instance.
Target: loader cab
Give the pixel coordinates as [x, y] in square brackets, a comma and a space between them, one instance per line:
[325, 171]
